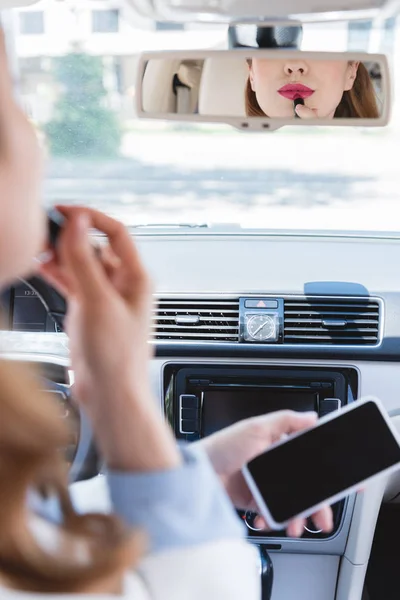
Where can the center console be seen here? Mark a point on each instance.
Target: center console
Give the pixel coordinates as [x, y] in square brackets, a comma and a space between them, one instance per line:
[200, 400]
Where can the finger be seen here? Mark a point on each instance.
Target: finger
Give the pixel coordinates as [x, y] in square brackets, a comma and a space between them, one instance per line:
[115, 271]
[323, 519]
[54, 273]
[304, 112]
[261, 523]
[77, 256]
[285, 422]
[109, 262]
[19, 141]
[118, 236]
[136, 284]
[296, 528]
[6, 88]
[108, 257]
[56, 277]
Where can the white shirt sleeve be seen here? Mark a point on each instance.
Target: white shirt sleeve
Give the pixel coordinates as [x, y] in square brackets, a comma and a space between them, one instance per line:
[223, 570]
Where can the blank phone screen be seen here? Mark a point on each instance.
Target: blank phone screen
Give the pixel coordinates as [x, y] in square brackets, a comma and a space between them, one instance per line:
[324, 461]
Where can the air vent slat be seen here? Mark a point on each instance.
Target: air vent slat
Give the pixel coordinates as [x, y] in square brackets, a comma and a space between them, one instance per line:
[331, 322]
[321, 305]
[195, 336]
[319, 321]
[169, 318]
[340, 331]
[323, 313]
[198, 311]
[217, 319]
[186, 303]
[328, 339]
[199, 327]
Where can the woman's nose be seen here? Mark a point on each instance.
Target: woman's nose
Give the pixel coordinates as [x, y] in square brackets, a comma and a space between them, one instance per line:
[296, 67]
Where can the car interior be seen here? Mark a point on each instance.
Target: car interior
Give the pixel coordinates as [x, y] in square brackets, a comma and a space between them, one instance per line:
[246, 319]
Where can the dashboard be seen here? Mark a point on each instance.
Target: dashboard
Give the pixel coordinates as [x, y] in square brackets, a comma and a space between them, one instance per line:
[301, 317]
[23, 311]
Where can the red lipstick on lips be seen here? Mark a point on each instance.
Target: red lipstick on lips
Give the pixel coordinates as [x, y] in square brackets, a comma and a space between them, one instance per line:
[291, 91]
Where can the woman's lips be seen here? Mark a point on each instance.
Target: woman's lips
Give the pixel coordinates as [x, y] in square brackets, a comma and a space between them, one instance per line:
[295, 90]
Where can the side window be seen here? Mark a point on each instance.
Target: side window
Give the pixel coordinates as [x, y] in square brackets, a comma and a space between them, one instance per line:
[358, 35]
[388, 36]
[160, 26]
[105, 21]
[31, 22]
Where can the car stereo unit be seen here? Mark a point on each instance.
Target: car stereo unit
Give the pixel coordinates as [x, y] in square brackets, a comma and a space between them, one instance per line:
[200, 400]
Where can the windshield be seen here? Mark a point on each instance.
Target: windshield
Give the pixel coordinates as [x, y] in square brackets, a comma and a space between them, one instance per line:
[75, 64]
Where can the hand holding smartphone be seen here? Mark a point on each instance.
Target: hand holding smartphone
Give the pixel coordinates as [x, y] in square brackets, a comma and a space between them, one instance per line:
[322, 465]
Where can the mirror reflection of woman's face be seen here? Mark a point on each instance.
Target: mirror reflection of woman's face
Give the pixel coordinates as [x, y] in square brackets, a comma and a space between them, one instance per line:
[320, 83]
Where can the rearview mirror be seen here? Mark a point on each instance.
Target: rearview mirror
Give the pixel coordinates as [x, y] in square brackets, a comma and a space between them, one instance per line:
[6, 4]
[264, 89]
[228, 10]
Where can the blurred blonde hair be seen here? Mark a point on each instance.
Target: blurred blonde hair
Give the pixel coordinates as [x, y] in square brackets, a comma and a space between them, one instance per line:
[94, 548]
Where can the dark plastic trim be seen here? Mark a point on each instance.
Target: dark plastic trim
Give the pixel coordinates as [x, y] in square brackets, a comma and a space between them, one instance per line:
[389, 350]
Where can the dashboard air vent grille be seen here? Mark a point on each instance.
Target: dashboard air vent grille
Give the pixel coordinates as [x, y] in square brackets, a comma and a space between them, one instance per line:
[331, 321]
[195, 319]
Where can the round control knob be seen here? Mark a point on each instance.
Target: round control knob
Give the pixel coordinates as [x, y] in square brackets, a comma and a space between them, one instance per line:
[311, 528]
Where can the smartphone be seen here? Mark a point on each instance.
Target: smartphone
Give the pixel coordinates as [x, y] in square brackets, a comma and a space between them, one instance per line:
[323, 464]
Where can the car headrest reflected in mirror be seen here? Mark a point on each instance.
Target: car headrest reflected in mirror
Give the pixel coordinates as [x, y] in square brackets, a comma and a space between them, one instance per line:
[265, 89]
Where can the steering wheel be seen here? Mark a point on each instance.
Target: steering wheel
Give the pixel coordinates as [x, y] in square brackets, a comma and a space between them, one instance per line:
[54, 303]
[84, 461]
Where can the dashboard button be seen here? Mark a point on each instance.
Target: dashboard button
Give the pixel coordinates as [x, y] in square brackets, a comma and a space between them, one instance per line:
[190, 426]
[190, 413]
[261, 303]
[189, 401]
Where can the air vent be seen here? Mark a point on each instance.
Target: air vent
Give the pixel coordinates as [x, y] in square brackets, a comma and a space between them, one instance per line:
[331, 321]
[203, 320]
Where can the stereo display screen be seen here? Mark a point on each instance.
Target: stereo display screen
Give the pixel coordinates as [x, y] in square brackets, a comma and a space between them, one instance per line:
[225, 407]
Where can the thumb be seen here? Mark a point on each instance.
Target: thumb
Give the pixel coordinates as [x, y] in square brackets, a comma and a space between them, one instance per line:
[79, 260]
[286, 422]
[304, 112]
